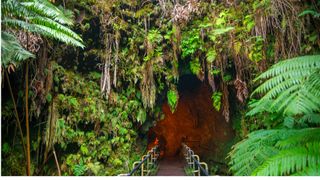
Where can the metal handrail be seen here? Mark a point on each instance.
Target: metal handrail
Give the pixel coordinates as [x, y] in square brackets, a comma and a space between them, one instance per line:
[150, 158]
[194, 163]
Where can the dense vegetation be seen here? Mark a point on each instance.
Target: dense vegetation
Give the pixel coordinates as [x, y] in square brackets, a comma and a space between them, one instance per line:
[83, 81]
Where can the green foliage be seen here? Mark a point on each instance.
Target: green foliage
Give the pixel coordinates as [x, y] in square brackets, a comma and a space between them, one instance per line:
[220, 31]
[249, 22]
[276, 152]
[211, 55]
[103, 131]
[11, 160]
[227, 78]
[40, 17]
[142, 116]
[79, 169]
[216, 100]
[195, 66]
[98, 136]
[255, 53]
[292, 86]
[172, 97]
[154, 36]
[43, 18]
[5, 148]
[12, 50]
[191, 42]
[291, 94]
[312, 12]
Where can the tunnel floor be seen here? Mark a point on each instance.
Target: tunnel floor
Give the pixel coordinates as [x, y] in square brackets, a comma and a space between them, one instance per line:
[195, 122]
[171, 166]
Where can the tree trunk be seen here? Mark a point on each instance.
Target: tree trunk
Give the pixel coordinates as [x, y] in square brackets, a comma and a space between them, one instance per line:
[27, 121]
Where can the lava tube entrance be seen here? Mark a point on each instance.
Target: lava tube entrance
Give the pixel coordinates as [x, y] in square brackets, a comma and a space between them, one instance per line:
[194, 122]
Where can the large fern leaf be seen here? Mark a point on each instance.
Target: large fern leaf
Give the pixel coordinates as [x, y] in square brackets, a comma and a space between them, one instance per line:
[40, 17]
[292, 86]
[11, 49]
[46, 9]
[276, 152]
[46, 29]
[291, 160]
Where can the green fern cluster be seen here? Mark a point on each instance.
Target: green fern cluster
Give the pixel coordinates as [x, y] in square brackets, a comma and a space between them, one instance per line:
[291, 86]
[40, 17]
[11, 49]
[291, 89]
[278, 152]
[173, 97]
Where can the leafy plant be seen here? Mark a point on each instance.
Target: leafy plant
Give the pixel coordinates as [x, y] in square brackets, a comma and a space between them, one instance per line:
[291, 90]
[79, 169]
[5, 148]
[211, 55]
[216, 100]
[249, 22]
[255, 53]
[277, 152]
[12, 50]
[293, 86]
[312, 12]
[154, 36]
[141, 116]
[195, 66]
[191, 42]
[40, 17]
[172, 96]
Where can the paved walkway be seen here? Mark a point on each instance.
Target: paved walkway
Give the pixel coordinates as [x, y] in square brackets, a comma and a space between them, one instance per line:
[171, 166]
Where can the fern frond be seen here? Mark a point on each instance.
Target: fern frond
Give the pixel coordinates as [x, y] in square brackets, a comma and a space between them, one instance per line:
[45, 9]
[261, 106]
[291, 160]
[310, 118]
[40, 17]
[43, 21]
[276, 152]
[11, 51]
[297, 63]
[250, 153]
[299, 137]
[44, 30]
[310, 171]
[292, 85]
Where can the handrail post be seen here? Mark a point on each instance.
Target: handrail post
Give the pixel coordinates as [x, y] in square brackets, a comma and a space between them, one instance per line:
[197, 168]
[150, 159]
[142, 165]
[193, 162]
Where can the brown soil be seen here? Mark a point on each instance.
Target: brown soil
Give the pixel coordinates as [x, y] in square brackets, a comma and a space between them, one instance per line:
[194, 122]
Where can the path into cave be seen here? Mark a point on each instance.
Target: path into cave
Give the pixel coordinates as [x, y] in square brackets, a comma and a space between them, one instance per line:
[171, 166]
[194, 122]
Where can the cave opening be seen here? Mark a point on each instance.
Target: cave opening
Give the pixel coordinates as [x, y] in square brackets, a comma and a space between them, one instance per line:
[194, 122]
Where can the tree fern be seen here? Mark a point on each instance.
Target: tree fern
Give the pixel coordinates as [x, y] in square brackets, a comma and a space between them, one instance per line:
[47, 29]
[292, 85]
[276, 152]
[35, 16]
[312, 171]
[291, 160]
[46, 9]
[11, 49]
[310, 118]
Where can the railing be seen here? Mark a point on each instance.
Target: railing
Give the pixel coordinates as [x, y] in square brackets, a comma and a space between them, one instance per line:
[193, 162]
[147, 163]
